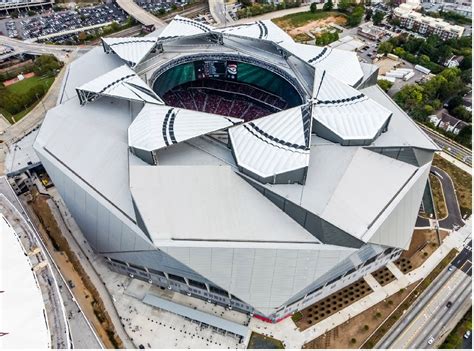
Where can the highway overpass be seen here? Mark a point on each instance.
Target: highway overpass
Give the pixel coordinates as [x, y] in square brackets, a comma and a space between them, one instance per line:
[141, 15]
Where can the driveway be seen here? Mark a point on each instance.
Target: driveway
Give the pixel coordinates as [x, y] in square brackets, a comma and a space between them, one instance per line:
[454, 213]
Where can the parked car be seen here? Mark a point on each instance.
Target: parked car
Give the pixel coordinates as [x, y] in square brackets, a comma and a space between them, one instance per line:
[467, 334]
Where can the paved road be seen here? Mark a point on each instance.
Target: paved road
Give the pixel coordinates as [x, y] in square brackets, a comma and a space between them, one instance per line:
[427, 317]
[450, 147]
[60, 51]
[141, 15]
[454, 217]
[80, 331]
[53, 304]
[219, 13]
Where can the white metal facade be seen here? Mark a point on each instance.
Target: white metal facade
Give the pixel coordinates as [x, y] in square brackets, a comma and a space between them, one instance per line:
[195, 220]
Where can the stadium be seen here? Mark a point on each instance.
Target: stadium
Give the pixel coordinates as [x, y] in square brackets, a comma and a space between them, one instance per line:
[234, 165]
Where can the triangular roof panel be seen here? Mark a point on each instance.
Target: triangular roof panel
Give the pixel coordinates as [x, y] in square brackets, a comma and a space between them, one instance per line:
[266, 30]
[130, 49]
[122, 83]
[341, 64]
[345, 111]
[157, 127]
[274, 144]
[182, 27]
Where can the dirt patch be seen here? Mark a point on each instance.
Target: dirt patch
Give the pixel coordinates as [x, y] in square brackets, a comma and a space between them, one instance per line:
[462, 183]
[332, 304]
[423, 243]
[387, 64]
[302, 38]
[322, 23]
[438, 197]
[83, 289]
[383, 276]
[353, 333]
[15, 80]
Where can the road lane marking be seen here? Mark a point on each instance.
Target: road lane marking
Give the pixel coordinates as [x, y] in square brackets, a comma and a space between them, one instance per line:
[427, 306]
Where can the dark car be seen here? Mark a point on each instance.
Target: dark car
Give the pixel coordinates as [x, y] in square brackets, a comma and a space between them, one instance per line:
[449, 304]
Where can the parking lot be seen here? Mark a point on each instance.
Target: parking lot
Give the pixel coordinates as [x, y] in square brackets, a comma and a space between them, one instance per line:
[51, 22]
[159, 7]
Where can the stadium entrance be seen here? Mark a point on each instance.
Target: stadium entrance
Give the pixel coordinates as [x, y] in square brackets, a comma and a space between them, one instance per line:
[227, 88]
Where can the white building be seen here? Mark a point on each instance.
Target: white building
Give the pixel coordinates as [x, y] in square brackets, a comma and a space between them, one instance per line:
[160, 152]
[426, 25]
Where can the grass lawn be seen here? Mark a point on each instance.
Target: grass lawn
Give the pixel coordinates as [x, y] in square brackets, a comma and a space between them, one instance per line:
[462, 183]
[21, 88]
[295, 20]
[438, 197]
[259, 341]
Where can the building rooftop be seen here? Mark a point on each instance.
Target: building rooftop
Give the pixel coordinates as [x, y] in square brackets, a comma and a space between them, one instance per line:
[23, 312]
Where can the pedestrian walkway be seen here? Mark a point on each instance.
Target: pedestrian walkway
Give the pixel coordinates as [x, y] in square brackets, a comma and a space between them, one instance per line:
[374, 285]
[293, 338]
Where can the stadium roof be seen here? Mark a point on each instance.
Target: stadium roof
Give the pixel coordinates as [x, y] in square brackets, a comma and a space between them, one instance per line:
[157, 127]
[342, 65]
[275, 144]
[263, 30]
[214, 204]
[198, 167]
[22, 317]
[292, 195]
[345, 111]
[182, 27]
[130, 49]
[122, 83]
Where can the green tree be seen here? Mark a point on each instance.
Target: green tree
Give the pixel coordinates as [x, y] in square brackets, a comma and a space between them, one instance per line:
[466, 76]
[385, 48]
[343, 5]
[424, 60]
[355, 17]
[46, 65]
[466, 63]
[409, 97]
[454, 102]
[368, 14]
[399, 52]
[328, 6]
[326, 38]
[462, 113]
[384, 84]
[377, 18]
[313, 8]
[465, 136]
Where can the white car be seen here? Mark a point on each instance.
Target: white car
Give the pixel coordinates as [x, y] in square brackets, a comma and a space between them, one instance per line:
[467, 334]
[430, 340]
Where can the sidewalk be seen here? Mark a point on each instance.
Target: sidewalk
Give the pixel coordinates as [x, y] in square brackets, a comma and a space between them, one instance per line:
[292, 338]
[456, 162]
[88, 259]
